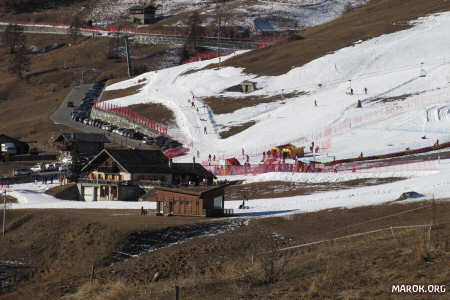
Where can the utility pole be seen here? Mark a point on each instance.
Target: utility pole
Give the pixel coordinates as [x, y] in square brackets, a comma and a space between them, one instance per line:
[4, 211]
[219, 29]
[128, 57]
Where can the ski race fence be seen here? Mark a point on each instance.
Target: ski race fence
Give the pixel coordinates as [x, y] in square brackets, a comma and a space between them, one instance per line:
[322, 137]
[131, 115]
[208, 55]
[390, 166]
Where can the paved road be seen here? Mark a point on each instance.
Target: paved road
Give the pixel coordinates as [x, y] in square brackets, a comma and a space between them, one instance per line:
[63, 116]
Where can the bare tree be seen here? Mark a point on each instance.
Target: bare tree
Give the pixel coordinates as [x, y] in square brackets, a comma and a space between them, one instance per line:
[74, 28]
[12, 37]
[19, 61]
[195, 31]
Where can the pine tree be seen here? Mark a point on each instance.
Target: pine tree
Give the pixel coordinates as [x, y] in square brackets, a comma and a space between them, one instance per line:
[13, 36]
[358, 104]
[74, 28]
[19, 61]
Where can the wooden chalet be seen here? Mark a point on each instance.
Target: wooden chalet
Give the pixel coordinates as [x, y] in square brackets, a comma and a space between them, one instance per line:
[122, 173]
[192, 201]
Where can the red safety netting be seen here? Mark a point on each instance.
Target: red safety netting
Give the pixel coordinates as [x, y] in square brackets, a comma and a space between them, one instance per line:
[219, 170]
[131, 115]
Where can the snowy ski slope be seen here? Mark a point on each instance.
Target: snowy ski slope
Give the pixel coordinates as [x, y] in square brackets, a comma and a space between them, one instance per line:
[388, 66]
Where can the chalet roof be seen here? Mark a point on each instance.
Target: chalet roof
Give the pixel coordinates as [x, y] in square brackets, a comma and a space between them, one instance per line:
[146, 161]
[148, 6]
[83, 137]
[191, 190]
[134, 161]
[248, 82]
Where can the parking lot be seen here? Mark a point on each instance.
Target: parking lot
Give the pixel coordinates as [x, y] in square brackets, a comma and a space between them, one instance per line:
[75, 113]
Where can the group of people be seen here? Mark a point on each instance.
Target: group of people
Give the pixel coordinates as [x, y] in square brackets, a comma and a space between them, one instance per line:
[365, 91]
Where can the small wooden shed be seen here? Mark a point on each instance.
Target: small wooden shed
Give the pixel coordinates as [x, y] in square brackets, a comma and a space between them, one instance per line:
[192, 201]
[248, 86]
[142, 14]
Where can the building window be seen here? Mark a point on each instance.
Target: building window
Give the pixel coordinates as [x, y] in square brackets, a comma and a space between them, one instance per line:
[218, 201]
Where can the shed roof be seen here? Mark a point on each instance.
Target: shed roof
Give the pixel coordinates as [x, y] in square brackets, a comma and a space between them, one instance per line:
[148, 6]
[146, 161]
[248, 82]
[191, 190]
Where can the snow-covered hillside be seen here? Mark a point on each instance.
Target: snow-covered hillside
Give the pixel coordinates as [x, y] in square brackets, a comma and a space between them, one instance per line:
[412, 65]
[255, 14]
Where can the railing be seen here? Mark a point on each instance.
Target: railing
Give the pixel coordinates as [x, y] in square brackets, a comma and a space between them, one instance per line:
[114, 170]
[103, 181]
[217, 212]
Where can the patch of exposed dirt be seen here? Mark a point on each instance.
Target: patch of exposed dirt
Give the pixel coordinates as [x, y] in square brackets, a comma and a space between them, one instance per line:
[114, 94]
[393, 99]
[233, 130]
[275, 189]
[226, 105]
[156, 112]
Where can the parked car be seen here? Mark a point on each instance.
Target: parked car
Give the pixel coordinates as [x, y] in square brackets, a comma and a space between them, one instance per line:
[51, 166]
[19, 172]
[38, 168]
[33, 151]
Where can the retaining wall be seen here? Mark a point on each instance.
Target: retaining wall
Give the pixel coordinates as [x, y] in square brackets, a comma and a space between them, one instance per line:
[121, 121]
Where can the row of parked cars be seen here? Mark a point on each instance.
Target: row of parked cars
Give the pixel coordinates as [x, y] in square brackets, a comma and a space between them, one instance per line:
[82, 113]
[49, 167]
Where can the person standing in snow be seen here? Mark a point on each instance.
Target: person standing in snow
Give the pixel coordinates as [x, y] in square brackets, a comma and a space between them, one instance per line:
[243, 152]
[198, 153]
[209, 157]
[315, 103]
[351, 91]
[248, 159]
[214, 157]
[365, 90]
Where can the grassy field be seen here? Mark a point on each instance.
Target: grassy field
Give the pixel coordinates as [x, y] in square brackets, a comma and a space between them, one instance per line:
[60, 247]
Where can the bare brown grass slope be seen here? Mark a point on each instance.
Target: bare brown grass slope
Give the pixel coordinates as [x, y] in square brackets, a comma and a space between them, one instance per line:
[243, 264]
[376, 18]
[26, 105]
